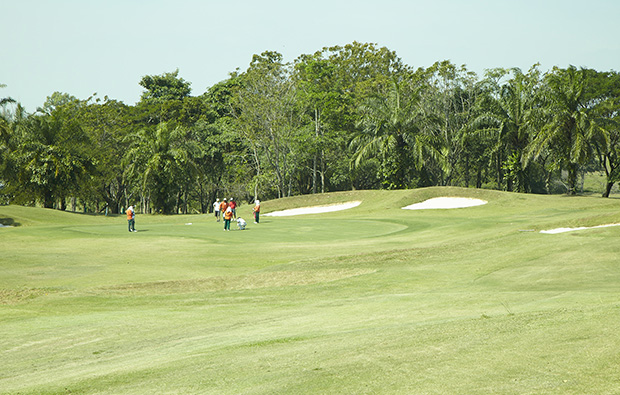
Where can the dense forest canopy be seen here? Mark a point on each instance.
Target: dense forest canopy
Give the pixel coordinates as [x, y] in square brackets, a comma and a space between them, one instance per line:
[350, 117]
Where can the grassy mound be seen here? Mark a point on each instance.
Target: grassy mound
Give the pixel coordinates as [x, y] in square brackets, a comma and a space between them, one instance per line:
[373, 299]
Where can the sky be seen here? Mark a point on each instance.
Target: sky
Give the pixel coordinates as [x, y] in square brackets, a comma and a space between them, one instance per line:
[81, 47]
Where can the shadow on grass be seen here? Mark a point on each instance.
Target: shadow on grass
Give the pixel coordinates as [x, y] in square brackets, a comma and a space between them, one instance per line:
[6, 222]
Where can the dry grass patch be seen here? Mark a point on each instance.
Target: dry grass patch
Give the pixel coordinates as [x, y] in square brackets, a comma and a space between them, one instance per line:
[272, 279]
[15, 296]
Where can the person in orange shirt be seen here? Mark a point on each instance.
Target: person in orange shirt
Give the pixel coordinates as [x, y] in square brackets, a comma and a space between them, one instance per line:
[223, 206]
[227, 217]
[131, 219]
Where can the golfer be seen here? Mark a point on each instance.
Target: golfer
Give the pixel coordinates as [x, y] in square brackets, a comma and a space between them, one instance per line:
[131, 219]
[227, 217]
[233, 206]
[241, 223]
[216, 209]
[257, 212]
[223, 206]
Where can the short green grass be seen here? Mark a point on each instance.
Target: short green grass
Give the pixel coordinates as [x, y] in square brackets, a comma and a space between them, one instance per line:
[370, 300]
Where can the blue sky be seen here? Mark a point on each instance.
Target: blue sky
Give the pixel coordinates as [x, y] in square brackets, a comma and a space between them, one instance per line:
[85, 46]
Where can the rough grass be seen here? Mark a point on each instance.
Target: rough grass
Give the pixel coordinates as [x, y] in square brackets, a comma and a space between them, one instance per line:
[370, 300]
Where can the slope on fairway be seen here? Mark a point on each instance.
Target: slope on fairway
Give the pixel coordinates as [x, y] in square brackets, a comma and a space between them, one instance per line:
[373, 299]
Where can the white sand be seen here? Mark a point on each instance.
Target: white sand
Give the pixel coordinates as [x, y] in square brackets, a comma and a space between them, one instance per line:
[562, 230]
[436, 203]
[314, 209]
[446, 203]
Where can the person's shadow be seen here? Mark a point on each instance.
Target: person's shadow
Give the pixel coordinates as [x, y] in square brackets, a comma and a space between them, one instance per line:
[5, 221]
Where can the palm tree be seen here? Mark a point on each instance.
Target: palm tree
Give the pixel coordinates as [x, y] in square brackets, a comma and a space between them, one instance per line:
[608, 149]
[570, 129]
[162, 161]
[389, 129]
[507, 115]
[51, 157]
[5, 123]
[604, 93]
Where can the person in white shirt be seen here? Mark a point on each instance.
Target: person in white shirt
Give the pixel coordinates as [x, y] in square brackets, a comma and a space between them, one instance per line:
[216, 209]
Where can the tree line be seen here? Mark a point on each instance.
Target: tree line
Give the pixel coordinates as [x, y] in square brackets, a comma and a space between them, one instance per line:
[346, 117]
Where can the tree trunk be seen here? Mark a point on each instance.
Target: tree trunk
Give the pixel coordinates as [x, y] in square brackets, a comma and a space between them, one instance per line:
[499, 171]
[48, 199]
[466, 171]
[315, 160]
[572, 179]
[608, 189]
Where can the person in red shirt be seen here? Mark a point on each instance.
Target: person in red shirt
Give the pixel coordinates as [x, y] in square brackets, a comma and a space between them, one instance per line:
[233, 206]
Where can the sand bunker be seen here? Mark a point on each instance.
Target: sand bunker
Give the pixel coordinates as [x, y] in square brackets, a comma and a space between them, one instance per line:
[314, 209]
[445, 203]
[562, 230]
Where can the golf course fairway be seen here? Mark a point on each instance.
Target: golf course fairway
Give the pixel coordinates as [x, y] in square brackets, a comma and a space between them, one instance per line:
[373, 299]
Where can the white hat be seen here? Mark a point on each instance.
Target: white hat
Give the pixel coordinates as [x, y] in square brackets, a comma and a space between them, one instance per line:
[257, 201]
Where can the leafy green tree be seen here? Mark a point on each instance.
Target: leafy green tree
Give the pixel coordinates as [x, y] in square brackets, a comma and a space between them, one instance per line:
[267, 120]
[336, 81]
[228, 162]
[57, 100]
[164, 87]
[5, 119]
[220, 97]
[319, 96]
[107, 123]
[6, 124]
[361, 69]
[447, 105]
[162, 99]
[211, 148]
